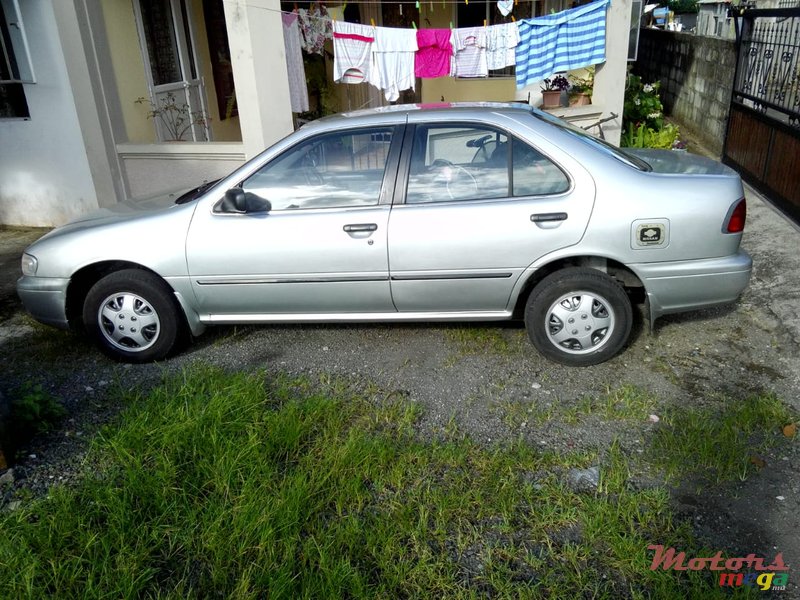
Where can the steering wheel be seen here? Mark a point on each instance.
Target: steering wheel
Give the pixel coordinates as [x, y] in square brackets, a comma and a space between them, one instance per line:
[453, 174]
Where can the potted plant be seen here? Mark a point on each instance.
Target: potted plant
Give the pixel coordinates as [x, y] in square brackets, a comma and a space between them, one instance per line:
[551, 91]
[580, 92]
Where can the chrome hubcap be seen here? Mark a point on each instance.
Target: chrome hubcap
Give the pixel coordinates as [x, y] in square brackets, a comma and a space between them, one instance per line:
[579, 322]
[128, 322]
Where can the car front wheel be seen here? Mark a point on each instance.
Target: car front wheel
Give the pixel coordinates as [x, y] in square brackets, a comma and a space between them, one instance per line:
[132, 316]
[578, 317]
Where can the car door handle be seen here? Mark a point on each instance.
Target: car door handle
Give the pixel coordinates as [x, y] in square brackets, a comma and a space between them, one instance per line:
[546, 217]
[355, 227]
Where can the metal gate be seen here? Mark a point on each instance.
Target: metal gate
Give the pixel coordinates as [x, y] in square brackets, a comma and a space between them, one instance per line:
[763, 137]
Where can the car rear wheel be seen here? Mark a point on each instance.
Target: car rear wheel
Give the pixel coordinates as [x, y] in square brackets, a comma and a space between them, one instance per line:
[578, 317]
[132, 316]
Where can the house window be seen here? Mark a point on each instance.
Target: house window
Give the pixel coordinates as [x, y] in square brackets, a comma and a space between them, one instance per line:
[177, 93]
[15, 65]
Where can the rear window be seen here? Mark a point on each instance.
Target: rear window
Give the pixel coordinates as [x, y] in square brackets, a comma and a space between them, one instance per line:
[598, 144]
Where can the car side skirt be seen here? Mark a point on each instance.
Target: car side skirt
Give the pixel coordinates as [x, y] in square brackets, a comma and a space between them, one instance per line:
[356, 317]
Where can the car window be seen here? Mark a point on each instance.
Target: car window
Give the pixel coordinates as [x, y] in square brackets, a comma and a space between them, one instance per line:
[332, 170]
[533, 173]
[452, 163]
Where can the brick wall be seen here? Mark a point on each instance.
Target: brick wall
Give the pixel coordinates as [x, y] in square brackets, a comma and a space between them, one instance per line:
[696, 75]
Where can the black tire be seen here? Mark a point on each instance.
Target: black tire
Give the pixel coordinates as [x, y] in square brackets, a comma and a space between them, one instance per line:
[132, 316]
[594, 307]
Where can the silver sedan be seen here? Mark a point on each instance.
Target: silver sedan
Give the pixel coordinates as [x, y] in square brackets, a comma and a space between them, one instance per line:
[472, 212]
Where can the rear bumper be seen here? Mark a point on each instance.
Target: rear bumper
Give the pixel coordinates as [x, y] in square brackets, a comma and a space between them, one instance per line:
[674, 287]
[45, 298]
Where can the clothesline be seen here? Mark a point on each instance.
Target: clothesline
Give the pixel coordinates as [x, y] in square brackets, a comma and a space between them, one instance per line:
[421, 3]
[391, 58]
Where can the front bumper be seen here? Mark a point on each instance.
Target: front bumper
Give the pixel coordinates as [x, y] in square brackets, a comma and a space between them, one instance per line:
[674, 287]
[45, 298]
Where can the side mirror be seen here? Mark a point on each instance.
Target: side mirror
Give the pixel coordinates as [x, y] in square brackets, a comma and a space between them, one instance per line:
[237, 200]
[234, 200]
[254, 203]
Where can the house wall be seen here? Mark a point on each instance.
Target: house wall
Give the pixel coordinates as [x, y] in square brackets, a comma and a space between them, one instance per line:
[129, 72]
[696, 75]
[45, 177]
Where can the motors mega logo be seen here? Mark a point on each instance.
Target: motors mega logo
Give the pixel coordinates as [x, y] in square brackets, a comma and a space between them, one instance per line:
[764, 577]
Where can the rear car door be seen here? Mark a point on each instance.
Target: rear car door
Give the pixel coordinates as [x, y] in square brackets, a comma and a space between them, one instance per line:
[319, 249]
[479, 206]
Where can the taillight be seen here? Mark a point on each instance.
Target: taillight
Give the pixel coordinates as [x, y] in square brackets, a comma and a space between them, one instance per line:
[735, 222]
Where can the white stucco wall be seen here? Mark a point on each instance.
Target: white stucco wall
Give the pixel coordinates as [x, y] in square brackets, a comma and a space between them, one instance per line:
[44, 171]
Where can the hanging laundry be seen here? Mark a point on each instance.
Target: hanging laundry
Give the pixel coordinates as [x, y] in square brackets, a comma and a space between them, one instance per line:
[470, 52]
[570, 39]
[433, 59]
[352, 52]
[298, 92]
[505, 7]
[315, 28]
[336, 13]
[501, 44]
[393, 61]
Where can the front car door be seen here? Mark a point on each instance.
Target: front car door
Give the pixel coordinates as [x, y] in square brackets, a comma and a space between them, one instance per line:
[321, 248]
[481, 205]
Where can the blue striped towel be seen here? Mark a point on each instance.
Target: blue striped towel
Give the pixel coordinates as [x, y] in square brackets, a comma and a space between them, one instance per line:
[570, 39]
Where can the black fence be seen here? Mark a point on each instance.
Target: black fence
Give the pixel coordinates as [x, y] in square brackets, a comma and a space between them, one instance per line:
[763, 136]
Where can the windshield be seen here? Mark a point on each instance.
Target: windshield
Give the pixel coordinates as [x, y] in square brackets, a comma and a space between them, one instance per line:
[195, 193]
[602, 145]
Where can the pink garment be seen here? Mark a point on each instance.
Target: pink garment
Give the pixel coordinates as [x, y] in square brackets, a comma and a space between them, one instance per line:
[435, 53]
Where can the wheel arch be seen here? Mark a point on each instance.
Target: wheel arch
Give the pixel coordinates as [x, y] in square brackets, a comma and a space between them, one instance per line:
[84, 278]
[615, 269]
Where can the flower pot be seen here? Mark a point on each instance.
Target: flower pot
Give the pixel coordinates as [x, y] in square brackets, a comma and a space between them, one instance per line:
[551, 98]
[580, 99]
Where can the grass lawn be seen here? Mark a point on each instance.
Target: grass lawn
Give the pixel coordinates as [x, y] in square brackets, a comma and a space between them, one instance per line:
[248, 486]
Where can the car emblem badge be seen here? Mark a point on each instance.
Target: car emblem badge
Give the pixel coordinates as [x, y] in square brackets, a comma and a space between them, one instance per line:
[651, 234]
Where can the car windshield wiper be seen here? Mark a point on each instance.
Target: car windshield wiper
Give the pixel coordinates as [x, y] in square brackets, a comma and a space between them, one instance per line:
[195, 193]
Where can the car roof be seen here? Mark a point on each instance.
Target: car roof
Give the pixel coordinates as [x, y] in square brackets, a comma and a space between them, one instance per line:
[399, 112]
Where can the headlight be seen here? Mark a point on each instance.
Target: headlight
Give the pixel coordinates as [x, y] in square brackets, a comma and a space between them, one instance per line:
[29, 265]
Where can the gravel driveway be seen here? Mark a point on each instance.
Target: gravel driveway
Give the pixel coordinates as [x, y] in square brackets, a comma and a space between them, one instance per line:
[485, 381]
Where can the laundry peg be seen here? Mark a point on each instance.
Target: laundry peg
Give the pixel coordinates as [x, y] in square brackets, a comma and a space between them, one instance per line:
[484, 22]
[431, 6]
[414, 23]
[372, 21]
[401, 9]
[513, 19]
[295, 7]
[417, 4]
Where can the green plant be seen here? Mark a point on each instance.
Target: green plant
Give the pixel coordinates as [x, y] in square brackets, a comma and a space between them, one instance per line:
[643, 104]
[557, 83]
[681, 6]
[243, 486]
[582, 85]
[32, 410]
[643, 124]
[642, 136]
[176, 119]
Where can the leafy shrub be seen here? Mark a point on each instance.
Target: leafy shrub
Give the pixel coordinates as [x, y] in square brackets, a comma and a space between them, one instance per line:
[643, 124]
[32, 410]
[647, 137]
